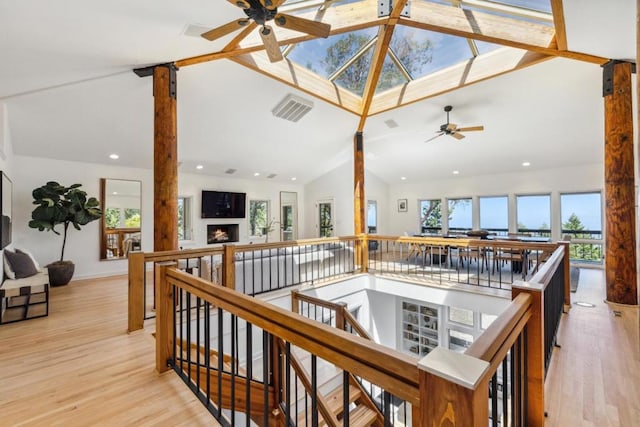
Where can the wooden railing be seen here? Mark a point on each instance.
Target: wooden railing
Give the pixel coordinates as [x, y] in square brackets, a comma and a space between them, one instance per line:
[506, 365]
[377, 364]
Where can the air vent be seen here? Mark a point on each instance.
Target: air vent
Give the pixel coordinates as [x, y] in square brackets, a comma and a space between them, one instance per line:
[271, 175]
[230, 171]
[391, 123]
[292, 108]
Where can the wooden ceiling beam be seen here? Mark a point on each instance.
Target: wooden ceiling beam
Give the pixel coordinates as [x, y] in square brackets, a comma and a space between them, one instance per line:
[558, 22]
[473, 71]
[302, 79]
[489, 28]
[377, 61]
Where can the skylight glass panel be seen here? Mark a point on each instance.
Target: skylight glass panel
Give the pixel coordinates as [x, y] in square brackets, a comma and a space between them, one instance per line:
[538, 5]
[508, 9]
[325, 56]
[354, 77]
[486, 47]
[424, 52]
[390, 76]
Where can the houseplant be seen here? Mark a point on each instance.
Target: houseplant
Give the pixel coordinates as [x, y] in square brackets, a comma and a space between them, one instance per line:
[57, 204]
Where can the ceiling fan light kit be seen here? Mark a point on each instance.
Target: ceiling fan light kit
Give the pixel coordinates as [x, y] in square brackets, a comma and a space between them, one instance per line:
[261, 12]
[452, 129]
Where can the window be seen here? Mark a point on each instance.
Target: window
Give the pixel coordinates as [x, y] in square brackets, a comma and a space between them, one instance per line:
[185, 231]
[431, 216]
[460, 215]
[372, 216]
[534, 215]
[494, 214]
[581, 215]
[258, 217]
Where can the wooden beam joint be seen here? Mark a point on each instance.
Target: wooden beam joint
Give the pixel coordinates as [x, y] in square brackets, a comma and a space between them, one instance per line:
[607, 75]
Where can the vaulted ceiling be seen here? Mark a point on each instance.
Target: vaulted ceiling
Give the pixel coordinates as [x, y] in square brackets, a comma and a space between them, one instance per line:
[523, 69]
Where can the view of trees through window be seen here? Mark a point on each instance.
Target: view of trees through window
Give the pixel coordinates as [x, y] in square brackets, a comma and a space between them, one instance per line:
[258, 217]
[460, 215]
[534, 214]
[431, 216]
[582, 221]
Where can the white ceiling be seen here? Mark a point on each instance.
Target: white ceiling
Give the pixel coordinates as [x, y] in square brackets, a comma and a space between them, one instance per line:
[70, 93]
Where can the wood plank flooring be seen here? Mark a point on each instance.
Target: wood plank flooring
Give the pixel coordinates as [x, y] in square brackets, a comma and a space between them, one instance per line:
[79, 367]
[594, 379]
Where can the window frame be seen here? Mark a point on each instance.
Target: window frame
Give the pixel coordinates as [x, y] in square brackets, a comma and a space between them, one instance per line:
[258, 231]
[538, 232]
[187, 218]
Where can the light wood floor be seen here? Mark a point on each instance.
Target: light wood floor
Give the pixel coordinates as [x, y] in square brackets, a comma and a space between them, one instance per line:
[79, 367]
[594, 379]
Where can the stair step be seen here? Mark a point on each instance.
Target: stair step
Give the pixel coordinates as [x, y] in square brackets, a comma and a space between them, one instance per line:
[334, 399]
[362, 416]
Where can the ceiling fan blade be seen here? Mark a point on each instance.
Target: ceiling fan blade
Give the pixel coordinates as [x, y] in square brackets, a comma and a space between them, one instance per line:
[244, 4]
[471, 129]
[271, 44]
[457, 135]
[315, 28]
[434, 137]
[452, 126]
[225, 29]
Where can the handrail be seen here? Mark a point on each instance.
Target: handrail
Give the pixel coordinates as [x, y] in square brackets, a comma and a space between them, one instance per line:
[376, 363]
[180, 254]
[323, 405]
[289, 243]
[468, 242]
[546, 272]
[353, 322]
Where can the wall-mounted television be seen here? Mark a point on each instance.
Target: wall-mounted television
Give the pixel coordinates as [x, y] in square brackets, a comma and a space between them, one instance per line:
[223, 204]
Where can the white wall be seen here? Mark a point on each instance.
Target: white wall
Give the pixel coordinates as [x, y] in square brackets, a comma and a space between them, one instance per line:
[337, 185]
[553, 181]
[191, 185]
[83, 246]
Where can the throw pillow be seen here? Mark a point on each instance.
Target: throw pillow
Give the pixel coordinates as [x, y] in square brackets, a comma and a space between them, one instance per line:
[8, 271]
[21, 264]
[33, 259]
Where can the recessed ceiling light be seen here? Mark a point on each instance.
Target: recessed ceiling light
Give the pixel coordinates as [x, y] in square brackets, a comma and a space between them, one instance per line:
[294, 178]
[199, 166]
[525, 164]
[114, 156]
[404, 178]
[456, 172]
[114, 193]
[256, 174]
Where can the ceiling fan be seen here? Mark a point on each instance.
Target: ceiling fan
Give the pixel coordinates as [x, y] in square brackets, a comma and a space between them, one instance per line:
[453, 129]
[261, 12]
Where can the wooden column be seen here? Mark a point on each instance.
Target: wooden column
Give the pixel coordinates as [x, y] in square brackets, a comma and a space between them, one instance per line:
[165, 317]
[136, 291]
[165, 166]
[620, 253]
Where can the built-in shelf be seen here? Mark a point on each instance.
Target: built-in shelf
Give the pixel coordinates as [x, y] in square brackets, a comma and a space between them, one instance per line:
[419, 328]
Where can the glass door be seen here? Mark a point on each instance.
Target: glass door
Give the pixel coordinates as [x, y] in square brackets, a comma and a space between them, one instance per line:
[325, 218]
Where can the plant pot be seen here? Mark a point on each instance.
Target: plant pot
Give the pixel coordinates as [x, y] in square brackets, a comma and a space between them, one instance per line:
[60, 273]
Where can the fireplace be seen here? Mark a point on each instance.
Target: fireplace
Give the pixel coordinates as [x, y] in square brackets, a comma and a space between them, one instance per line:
[222, 233]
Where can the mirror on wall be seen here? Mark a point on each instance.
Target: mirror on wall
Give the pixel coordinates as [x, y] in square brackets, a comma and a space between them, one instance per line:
[120, 231]
[288, 215]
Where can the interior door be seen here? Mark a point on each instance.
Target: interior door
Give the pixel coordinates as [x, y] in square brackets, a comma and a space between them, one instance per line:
[325, 218]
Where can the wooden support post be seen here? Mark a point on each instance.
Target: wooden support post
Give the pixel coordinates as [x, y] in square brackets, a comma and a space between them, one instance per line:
[358, 184]
[228, 267]
[566, 266]
[165, 167]
[136, 291]
[619, 169]
[295, 303]
[165, 317]
[364, 253]
[341, 322]
[534, 353]
[454, 390]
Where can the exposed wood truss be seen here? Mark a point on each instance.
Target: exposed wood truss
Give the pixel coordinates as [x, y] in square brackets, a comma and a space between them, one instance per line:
[526, 41]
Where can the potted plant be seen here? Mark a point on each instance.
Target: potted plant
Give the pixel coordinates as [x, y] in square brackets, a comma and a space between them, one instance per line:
[58, 204]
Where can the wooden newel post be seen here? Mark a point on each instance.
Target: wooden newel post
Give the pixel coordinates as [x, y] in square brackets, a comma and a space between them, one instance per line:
[341, 322]
[566, 267]
[534, 354]
[165, 317]
[454, 389]
[364, 253]
[228, 267]
[136, 291]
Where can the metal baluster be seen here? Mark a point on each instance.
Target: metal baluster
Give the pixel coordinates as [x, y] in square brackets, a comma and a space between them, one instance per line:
[249, 359]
